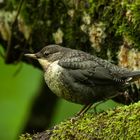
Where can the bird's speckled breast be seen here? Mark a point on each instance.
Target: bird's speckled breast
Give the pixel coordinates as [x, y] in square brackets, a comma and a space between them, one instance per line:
[53, 80]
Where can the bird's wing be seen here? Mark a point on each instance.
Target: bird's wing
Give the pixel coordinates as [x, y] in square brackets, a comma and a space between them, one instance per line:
[86, 69]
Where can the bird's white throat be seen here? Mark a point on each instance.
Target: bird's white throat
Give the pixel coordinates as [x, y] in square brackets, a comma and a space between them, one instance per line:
[44, 63]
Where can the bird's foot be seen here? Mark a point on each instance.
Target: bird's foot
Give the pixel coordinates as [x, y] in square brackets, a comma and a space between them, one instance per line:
[76, 117]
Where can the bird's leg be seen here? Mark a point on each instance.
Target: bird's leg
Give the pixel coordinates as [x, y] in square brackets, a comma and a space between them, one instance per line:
[81, 112]
[127, 97]
[84, 109]
[96, 104]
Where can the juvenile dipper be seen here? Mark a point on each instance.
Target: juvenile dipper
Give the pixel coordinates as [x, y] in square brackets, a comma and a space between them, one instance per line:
[80, 77]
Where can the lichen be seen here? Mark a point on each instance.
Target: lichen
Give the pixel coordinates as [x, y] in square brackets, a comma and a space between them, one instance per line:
[58, 36]
[129, 57]
[81, 23]
[6, 20]
[97, 35]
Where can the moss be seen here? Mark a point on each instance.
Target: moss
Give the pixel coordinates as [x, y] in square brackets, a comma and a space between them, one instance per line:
[25, 137]
[121, 20]
[120, 123]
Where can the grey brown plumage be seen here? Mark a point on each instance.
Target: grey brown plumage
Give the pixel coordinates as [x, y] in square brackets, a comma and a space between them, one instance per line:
[82, 78]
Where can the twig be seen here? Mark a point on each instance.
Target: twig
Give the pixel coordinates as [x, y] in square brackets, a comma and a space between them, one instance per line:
[9, 46]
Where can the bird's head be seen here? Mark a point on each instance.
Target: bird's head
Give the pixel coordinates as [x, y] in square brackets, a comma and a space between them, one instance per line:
[48, 55]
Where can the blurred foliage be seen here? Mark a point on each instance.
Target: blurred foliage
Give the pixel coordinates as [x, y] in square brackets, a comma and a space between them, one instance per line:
[16, 97]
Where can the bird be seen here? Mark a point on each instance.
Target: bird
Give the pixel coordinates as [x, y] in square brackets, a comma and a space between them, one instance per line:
[80, 77]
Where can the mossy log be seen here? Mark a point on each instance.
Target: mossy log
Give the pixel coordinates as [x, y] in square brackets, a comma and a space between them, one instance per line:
[121, 123]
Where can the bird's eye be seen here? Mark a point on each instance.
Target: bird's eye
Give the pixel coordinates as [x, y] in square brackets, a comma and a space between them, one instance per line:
[46, 53]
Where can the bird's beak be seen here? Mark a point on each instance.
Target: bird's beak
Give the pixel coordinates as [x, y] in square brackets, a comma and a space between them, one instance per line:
[31, 55]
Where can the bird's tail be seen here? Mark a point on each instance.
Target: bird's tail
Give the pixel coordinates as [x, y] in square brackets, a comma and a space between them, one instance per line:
[132, 76]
